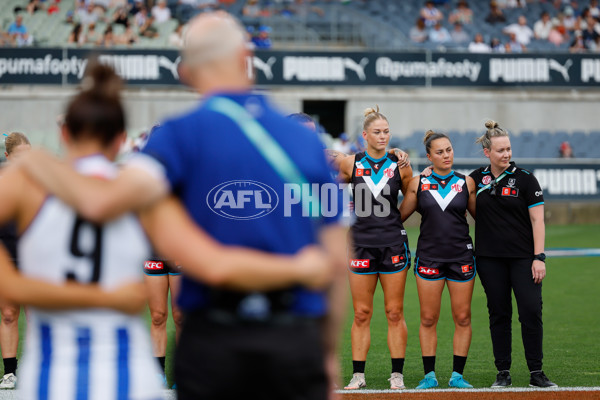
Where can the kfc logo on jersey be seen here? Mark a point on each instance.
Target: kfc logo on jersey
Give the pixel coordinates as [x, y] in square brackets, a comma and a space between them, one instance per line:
[466, 268]
[153, 265]
[428, 271]
[486, 180]
[389, 173]
[456, 188]
[359, 263]
[363, 172]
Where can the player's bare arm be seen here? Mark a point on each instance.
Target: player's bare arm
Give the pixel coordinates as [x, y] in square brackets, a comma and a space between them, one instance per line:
[96, 200]
[176, 236]
[409, 202]
[472, 196]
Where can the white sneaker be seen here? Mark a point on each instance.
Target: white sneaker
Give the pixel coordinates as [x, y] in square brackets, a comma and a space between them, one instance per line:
[357, 381]
[397, 381]
[8, 381]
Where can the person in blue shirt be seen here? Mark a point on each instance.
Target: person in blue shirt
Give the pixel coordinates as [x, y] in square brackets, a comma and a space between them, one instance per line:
[18, 33]
[236, 164]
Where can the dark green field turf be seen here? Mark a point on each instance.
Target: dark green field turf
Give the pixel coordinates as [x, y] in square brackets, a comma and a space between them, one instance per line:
[571, 325]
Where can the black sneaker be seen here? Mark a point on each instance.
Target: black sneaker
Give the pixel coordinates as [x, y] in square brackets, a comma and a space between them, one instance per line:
[503, 380]
[539, 379]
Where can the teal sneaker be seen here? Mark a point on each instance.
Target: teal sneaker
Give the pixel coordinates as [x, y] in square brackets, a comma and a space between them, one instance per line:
[458, 381]
[429, 382]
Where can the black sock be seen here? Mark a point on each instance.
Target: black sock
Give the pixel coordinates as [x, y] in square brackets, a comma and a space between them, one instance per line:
[10, 365]
[161, 361]
[358, 366]
[458, 365]
[397, 364]
[428, 364]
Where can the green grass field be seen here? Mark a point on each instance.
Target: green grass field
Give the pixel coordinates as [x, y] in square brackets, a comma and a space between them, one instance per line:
[571, 325]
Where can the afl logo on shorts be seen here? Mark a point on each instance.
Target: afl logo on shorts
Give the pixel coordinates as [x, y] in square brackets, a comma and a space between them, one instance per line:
[389, 173]
[242, 200]
[456, 188]
[486, 180]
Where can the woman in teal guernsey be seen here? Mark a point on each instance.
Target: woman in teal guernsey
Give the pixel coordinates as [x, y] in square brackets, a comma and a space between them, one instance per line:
[444, 254]
[380, 245]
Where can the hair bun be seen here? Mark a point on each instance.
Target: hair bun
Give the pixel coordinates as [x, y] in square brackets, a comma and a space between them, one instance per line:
[371, 110]
[428, 134]
[102, 80]
[491, 124]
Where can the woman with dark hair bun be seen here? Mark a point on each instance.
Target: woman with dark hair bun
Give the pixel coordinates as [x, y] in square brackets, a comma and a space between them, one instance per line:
[444, 254]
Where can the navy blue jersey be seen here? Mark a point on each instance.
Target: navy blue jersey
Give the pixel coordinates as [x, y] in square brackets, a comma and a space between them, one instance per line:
[232, 191]
[375, 187]
[444, 233]
[8, 236]
[503, 226]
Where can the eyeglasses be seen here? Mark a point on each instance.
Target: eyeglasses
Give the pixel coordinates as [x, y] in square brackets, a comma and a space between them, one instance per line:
[493, 188]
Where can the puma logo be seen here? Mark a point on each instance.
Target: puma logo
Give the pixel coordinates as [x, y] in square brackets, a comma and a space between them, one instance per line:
[359, 68]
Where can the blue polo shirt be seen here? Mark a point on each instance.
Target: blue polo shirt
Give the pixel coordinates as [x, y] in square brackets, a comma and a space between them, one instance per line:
[234, 193]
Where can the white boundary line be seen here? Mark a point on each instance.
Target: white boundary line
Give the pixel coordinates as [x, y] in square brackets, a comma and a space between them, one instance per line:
[482, 390]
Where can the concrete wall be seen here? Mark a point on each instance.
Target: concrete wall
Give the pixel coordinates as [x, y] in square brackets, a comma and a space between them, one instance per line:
[33, 110]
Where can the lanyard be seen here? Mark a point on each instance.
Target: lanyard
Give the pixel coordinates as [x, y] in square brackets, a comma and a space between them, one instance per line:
[489, 185]
[265, 144]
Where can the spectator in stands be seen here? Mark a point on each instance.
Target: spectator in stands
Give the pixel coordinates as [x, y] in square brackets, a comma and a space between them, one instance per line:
[92, 35]
[495, 15]
[144, 24]
[558, 34]
[262, 40]
[76, 36]
[108, 38]
[523, 33]
[439, 34]
[418, 33]
[478, 45]
[160, 12]
[580, 23]
[430, 14]
[121, 16]
[70, 18]
[86, 15]
[34, 5]
[570, 20]
[459, 36]
[18, 33]
[542, 27]
[591, 31]
[565, 150]
[497, 46]
[578, 45]
[176, 38]
[301, 9]
[54, 7]
[128, 37]
[462, 14]
[135, 6]
[513, 45]
[252, 9]
[594, 9]
[511, 3]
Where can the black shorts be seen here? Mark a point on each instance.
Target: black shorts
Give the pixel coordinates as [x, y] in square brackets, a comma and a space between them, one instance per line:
[380, 260]
[221, 362]
[159, 267]
[452, 271]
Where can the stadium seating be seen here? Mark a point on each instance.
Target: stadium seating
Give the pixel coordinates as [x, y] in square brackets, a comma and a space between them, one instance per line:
[525, 144]
[373, 24]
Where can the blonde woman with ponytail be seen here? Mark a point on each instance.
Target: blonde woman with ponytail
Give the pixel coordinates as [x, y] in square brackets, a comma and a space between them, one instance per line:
[380, 245]
[509, 241]
[15, 143]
